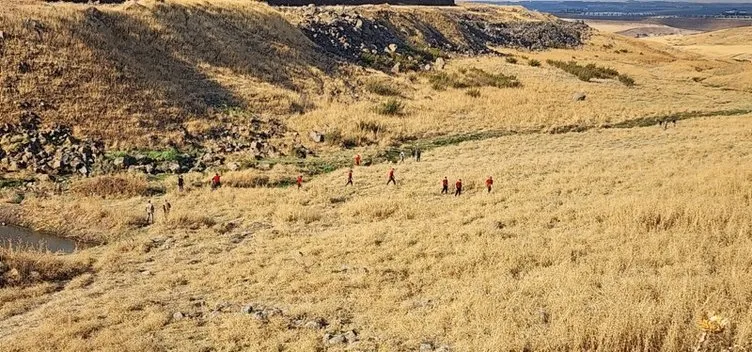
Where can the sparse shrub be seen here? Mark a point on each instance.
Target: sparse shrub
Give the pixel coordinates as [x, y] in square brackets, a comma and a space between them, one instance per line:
[626, 80]
[590, 71]
[441, 80]
[479, 78]
[475, 93]
[391, 107]
[474, 77]
[372, 127]
[511, 59]
[534, 63]
[349, 142]
[170, 154]
[382, 88]
[333, 137]
[301, 105]
[112, 186]
[191, 221]
[462, 70]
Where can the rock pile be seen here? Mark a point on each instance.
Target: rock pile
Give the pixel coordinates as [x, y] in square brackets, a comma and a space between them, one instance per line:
[379, 42]
[53, 151]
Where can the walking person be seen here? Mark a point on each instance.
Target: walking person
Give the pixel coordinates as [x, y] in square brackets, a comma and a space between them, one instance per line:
[391, 177]
[357, 159]
[458, 187]
[445, 186]
[150, 212]
[215, 181]
[489, 183]
[181, 183]
[166, 207]
[402, 157]
[299, 181]
[417, 154]
[349, 179]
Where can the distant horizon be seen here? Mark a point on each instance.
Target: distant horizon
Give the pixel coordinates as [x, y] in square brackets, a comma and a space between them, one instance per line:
[746, 2]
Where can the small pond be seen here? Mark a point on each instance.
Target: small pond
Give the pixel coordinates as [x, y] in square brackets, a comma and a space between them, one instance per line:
[22, 238]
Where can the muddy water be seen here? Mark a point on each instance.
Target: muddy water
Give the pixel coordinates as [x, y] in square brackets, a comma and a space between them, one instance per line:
[22, 238]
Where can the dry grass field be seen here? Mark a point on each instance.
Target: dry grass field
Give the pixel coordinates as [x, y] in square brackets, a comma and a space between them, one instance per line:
[608, 240]
[624, 236]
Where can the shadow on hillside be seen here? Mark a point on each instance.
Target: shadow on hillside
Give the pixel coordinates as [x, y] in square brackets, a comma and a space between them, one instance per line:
[168, 51]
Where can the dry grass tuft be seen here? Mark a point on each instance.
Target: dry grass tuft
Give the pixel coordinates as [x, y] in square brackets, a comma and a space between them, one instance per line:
[28, 267]
[112, 186]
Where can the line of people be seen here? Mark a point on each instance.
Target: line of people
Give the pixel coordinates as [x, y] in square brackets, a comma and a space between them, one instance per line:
[357, 159]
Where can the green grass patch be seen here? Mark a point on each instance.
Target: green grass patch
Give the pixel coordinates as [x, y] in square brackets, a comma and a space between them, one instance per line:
[472, 78]
[382, 88]
[590, 71]
[391, 107]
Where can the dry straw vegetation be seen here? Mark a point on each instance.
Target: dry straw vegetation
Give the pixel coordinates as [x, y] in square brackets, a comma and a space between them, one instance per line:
[625, 236]
[593, 241]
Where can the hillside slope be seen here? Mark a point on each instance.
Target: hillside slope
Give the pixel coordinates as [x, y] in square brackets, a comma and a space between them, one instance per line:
[590, 241]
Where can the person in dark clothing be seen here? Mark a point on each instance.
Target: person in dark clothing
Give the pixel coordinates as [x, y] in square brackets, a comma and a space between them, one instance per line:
[417, 154]
[349, 178]
[166, 207]
[299, 181]
[391, 177]
[458, 187]
[181, 183]
[445, 186]
[489, 183]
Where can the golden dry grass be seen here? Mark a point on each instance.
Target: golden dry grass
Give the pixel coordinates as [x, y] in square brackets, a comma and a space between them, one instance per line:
[664, 78]
[608, 240]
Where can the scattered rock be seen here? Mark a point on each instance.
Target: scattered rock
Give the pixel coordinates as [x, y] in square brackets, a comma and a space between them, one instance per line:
[439, 64]
[348, 337]
[378, 42]
[396, 68]
[233, 166]
[430, 347]
[315, 324]
[579, 96]
[177, 316]
[26, 146]
[316, 136]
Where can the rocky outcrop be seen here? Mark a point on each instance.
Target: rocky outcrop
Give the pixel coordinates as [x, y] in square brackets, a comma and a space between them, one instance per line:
[52, 151]
[379, 40]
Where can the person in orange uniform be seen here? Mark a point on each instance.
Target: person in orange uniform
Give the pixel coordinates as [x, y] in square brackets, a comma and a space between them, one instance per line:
[458, 187]
[215, 182]
[391, 177]
[445, 186]
[489, 183]
[357, 159]
[299, 181]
